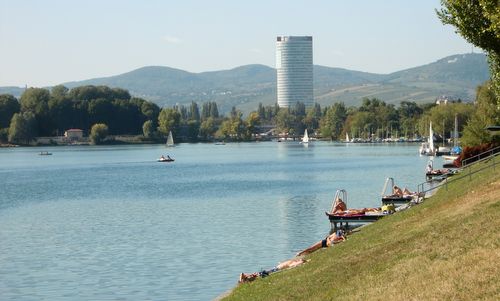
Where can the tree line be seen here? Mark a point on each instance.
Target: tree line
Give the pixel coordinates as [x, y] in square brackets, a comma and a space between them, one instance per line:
[43, 112]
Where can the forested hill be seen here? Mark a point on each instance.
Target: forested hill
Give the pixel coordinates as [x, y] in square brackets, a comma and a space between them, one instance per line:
[244, 87]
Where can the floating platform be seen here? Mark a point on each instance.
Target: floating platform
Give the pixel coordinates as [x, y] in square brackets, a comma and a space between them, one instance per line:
[343, 221]
[397, 200]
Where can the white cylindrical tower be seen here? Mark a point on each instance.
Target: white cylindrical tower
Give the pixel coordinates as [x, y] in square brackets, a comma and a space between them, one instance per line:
[294, 66]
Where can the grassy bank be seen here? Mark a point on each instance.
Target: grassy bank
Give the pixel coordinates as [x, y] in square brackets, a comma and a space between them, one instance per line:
[447, 248]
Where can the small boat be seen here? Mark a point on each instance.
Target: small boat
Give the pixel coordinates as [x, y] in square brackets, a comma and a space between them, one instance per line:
[165, 159]
[305, 139]
[45, 154]
[427, 148]
[170, 139]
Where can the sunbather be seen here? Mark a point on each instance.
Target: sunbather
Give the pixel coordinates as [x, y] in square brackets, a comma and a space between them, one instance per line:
[396, 191]
[282, 266]
[339, 206]
[357, 211]
[334, 238]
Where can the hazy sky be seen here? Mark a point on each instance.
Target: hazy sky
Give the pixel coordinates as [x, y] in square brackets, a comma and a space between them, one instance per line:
[53, 41]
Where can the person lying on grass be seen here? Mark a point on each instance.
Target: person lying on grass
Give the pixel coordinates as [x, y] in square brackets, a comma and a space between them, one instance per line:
[332, 239]
[282, 266]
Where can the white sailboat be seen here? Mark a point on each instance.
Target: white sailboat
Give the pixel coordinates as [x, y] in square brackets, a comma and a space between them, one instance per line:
[427, 148]
[305, 139]
[347, 137]
[432, 150]
[170, 139]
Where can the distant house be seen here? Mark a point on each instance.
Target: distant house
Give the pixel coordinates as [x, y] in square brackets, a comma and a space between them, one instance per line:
[73, 134]
[444, 100]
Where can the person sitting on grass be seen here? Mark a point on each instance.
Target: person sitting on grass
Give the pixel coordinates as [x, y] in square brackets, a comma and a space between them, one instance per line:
[282, 266]
[332, 239]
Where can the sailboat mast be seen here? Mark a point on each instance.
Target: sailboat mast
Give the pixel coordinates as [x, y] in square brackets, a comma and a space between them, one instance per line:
[455, 134]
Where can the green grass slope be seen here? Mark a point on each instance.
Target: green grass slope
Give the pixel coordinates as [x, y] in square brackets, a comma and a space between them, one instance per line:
[447, 248]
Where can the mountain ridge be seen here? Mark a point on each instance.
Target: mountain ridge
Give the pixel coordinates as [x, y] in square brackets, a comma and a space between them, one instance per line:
[245, 86]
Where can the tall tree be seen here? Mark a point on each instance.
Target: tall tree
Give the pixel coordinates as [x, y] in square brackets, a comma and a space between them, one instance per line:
[478, 21]
[168, 120]
[35, 100]
[22, 128]
[8, 107]
[98, 133]
[475, 132]
[333, 122]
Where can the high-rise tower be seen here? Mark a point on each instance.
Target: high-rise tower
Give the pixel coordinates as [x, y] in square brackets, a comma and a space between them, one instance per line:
[294, 65]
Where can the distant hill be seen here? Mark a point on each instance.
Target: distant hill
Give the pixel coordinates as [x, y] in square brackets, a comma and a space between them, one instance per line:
[244, 87]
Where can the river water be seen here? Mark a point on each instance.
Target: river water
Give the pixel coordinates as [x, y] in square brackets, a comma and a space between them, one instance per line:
[111, 223]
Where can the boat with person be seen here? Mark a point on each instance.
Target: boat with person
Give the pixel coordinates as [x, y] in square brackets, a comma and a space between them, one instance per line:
[165, 159]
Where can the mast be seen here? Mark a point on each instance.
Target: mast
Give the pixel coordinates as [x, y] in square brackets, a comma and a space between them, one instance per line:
[455, 133]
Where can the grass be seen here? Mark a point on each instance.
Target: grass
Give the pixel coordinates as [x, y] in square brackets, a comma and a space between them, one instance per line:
[447, 248]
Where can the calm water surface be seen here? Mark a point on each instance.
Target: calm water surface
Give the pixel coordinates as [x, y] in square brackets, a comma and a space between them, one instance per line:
[111, 223]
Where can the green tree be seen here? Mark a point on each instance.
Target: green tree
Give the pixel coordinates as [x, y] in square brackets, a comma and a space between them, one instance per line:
[8, 107]
[285, 121]
[59, 92]
[486, 113]
[148, 129]
[35, 100]
[252, 122]
[208, 128]
[193, 130]
[332, 123]
[478, 21]
[168, 120]
[22, 128]
[151, 111]
[98, 133]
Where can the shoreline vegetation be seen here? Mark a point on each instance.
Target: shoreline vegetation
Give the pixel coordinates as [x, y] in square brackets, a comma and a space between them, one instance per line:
[48, 114]
[446, 248]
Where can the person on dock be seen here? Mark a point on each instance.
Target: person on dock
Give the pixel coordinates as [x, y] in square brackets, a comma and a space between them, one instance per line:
[339, 206]
[396, 191]
[330, 240]
[282, 266]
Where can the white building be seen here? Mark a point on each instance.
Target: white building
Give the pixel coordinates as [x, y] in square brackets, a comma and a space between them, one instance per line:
[294, 66]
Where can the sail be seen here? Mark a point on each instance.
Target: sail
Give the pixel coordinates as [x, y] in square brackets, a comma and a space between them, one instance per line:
[305, 139]
[346, 137]
[431, 139]
[170, 139]
[455, 132]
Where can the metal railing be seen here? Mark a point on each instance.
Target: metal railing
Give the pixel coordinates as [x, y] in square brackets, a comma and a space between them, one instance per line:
[466, 170]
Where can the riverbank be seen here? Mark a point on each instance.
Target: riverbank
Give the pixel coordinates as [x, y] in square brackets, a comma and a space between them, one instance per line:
[445, 248]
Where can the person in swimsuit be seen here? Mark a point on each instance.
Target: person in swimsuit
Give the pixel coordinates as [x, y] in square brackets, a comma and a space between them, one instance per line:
[282, 266]
[396, 191]
[339, 206]
[332, 239]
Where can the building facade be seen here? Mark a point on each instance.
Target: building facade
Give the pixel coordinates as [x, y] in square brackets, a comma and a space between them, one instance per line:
[294, 66]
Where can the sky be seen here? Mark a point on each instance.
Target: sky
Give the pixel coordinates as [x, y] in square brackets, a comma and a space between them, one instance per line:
[44, 43]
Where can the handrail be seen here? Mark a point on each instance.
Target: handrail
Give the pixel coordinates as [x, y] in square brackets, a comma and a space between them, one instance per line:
[468, 174]
[490, 152]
